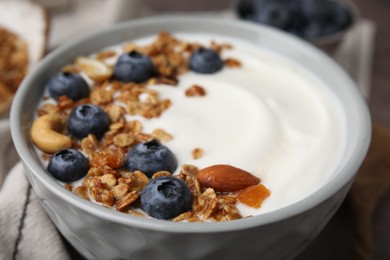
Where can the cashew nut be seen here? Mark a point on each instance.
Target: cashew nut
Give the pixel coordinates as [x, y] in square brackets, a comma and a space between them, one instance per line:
[45, 136]
[94, 69]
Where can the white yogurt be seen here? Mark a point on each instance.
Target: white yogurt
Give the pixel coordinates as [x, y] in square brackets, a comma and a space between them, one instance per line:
[270, 117]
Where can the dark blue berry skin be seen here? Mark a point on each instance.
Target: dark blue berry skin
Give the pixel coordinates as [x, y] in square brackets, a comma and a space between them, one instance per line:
[133, 67]
[324, 17]
[68, 84]
[275, 13]
[150, 157]
[87, 119]
[205, 61]
[166, 197]
[309, 19]
[68, 165]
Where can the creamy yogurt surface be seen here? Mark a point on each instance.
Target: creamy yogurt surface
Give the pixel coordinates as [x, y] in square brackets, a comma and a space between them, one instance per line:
[270, 117]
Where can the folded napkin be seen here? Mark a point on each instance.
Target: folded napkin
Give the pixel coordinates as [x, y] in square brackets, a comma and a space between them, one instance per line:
[26, 232]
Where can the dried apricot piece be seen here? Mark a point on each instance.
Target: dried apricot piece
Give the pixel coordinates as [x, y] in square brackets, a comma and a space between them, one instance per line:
[253, 196]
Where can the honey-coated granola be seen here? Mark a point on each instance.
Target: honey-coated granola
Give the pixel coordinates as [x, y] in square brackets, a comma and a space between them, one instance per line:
[107, 182]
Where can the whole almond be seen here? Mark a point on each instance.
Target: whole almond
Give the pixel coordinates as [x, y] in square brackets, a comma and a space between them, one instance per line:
[226, 178]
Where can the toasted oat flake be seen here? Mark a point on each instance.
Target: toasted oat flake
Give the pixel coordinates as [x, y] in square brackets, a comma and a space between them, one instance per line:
[126, 200]
[95, 69]
[109, 180]
[81, 191]
[101, 96]
[183, 216]
[106, 54]
[120, 190]
[197, 153]
[161, 174]
[195, 91]
[232, 63]
[115, 112]
[189, 170]
[206, 203]
[162, 135]
[138, 181]
[123, 139]
[68, 186]
[136, 213]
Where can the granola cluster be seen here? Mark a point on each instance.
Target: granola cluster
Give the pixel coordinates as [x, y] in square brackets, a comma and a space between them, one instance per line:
[107, 182]
[13, 65]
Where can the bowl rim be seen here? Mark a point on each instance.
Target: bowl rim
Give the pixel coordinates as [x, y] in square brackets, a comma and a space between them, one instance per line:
[346, 172]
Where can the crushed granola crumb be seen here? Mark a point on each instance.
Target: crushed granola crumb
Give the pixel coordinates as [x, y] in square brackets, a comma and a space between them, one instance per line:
[162, 135]
[195, 91]
[232, 63]
[197, 153]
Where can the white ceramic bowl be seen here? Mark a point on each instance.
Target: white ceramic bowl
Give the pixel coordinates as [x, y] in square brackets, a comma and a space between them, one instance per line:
[101, 233]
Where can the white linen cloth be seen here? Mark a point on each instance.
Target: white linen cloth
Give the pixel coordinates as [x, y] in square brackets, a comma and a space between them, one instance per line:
[25, 230]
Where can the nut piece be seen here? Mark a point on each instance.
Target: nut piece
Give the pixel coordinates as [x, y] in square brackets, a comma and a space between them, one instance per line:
[197, 153]
[195, 91]
[45, 136]
[226, 178]
[94, 69]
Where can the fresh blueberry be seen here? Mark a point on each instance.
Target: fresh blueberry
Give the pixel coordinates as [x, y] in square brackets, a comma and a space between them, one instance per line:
[275, 13]
[166, 197]
[324, 17]
[338, 18]
[133, 67]
[246, 8]
[150, 157]
[68, 165]
[87, 119]
[308, 19]
[205, 61]
[67, 84]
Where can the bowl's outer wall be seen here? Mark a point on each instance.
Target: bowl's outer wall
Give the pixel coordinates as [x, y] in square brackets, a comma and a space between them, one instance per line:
[97, 238]
[97, 233]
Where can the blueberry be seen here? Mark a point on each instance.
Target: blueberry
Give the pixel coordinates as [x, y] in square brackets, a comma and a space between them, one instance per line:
[247, 8]
[205, 61]
[275, 13]
[67, 84]
[304, 18]
[87, 119]
[166, 197]
[150, 157]
[133, 67]
[324, 17]
[68, 165]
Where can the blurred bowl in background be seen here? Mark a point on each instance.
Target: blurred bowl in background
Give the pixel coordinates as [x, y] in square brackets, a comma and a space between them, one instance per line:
[324, 23]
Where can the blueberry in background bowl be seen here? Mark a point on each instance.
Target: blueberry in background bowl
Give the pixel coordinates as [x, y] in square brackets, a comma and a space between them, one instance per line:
[321, 22]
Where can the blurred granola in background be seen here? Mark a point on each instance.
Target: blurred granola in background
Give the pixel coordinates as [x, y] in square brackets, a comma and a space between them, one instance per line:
[23, 33]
